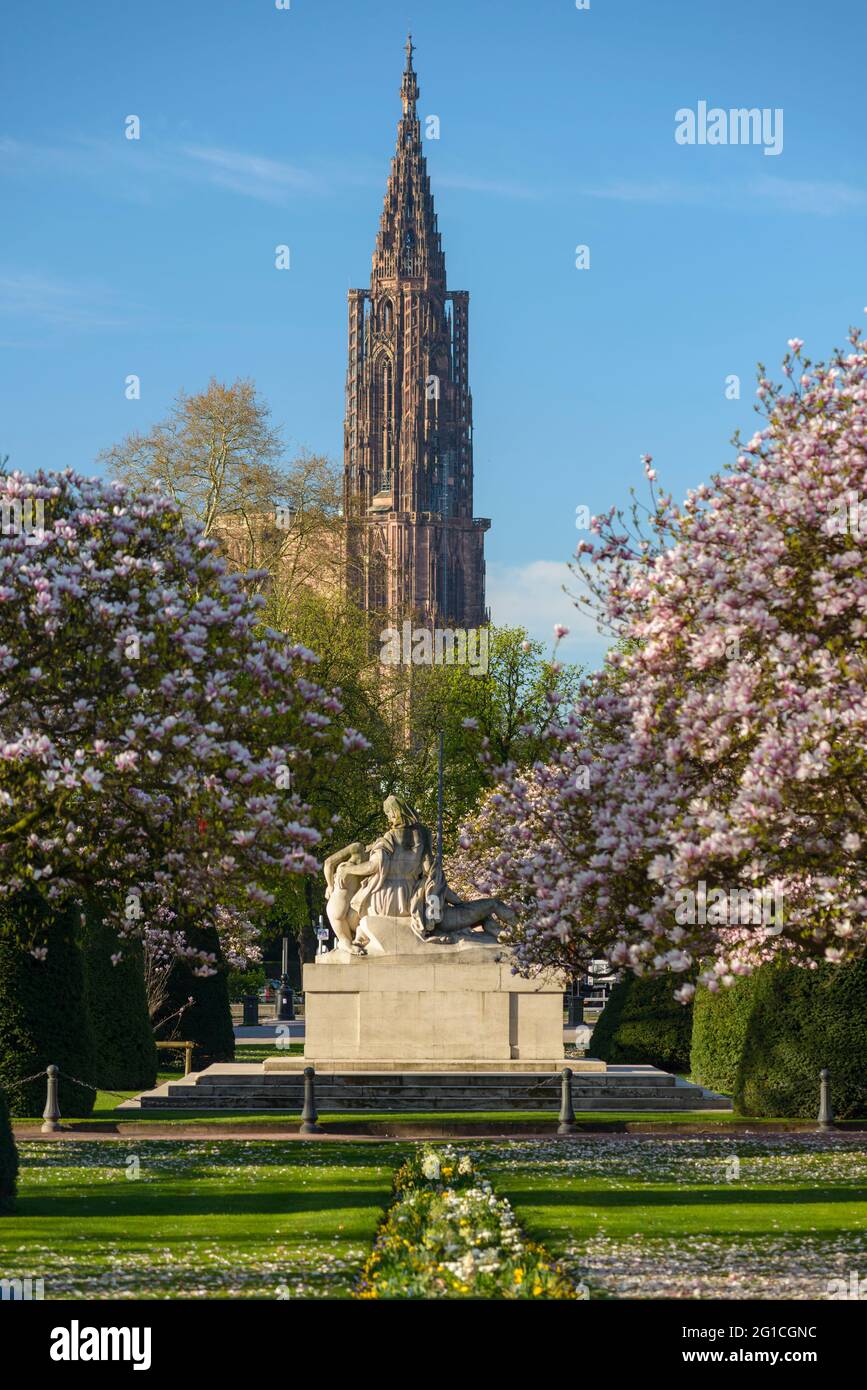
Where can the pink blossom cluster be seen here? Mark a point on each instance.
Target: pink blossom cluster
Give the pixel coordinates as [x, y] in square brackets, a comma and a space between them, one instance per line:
[725, 741]
[153, 735]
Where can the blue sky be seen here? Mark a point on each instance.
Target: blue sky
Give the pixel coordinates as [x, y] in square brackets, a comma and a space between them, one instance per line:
[262, 126]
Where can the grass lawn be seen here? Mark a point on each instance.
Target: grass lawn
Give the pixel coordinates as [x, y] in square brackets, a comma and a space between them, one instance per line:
[260, 1052]
[154, 1219]
[772, 1217]
[717, 1216]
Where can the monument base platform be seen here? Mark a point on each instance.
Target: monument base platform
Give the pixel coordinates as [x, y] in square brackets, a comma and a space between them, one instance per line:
[427, 1006]
[252, 1086]
[329, 1066]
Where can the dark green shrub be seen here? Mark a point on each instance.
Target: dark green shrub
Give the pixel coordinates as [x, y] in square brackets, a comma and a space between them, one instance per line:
[803, 1020]
[720, 1023]
[126, 1056]
[43, 1009]
[643, 1022]
[241, 982]
[8, 1159]
[766, 1039]
[207, 1022]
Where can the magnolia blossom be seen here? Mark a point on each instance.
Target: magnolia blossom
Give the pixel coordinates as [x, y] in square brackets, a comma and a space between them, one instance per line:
[723, 745]
[147, 719]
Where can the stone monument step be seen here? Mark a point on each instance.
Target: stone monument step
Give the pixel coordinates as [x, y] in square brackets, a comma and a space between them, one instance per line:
[439, 1066]
[220, 1075]
[248, 1086]
[662, 1104]
[411, 1094]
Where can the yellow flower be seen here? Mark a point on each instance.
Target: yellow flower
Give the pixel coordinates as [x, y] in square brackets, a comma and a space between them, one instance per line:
[519, 1276]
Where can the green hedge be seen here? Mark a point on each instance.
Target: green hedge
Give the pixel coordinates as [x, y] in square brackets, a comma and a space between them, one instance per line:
[786, 1023]
[241, 982]
[126, 1056]
[643, 1022]
[207, 1022]
[8, 1159]
[719, 1031]
[43, 1011]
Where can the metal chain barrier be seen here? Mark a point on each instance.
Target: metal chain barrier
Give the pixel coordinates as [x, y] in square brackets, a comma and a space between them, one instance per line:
[121, 1095]
[546, 1081]
[25, 1081]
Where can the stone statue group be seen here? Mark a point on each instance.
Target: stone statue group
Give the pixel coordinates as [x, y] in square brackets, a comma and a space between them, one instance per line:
[399, 876]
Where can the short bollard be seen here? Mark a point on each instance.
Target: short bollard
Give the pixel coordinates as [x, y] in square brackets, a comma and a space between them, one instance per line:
[51, 1113]
[567, 1113]
[251, 1010]
[826, 1114]
[309, 1114]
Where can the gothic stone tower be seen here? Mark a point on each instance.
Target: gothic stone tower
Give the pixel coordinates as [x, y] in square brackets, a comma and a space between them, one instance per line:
[414, 547]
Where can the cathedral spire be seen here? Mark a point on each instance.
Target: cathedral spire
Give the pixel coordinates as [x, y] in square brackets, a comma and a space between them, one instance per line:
[409, 85]
[408, 244]
[413, 544]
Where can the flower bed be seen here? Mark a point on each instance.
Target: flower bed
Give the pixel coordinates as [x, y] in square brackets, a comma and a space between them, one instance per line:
[448, 1236]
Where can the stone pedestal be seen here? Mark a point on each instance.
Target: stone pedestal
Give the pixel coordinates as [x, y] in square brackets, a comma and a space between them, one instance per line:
[414, 1005]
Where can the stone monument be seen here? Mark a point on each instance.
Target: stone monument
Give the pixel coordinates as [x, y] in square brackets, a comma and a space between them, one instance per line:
[418, 980]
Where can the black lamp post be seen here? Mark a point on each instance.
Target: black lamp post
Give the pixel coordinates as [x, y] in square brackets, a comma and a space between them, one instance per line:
[285, 998]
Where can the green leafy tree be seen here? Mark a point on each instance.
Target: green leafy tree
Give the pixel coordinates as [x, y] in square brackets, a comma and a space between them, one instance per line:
[220, 459]
[506, 708]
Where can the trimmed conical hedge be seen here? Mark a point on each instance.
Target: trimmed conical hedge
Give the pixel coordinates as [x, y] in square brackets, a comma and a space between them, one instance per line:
[786, 1023]
[43, 1009]
[720, 1023]
[643, 1022]
[208, 1020]
[8, 1159]
[123, 1036]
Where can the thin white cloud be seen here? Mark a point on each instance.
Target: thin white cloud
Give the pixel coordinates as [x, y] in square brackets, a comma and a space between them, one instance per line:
[821, 197]
[818, 197]
[251, 175]
[498, 188]
[531, 596]
[137, 170]
[61, 304]
[656, 191]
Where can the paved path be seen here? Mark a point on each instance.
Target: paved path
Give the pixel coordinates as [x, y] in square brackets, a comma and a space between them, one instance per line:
[637, 1130]
[267, 1032]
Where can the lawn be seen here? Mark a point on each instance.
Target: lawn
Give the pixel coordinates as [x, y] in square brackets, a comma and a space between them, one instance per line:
[716, 1216]
[156, 1219]
[724, 1217]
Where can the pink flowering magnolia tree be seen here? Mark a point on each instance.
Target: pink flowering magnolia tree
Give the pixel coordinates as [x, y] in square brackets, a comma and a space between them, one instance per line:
[721, 815]
[159, 750]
